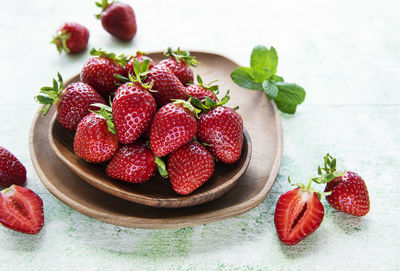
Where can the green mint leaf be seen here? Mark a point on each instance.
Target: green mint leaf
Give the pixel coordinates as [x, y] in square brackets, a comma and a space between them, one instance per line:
[242, 76]
[264, 58]
[290, 93]
[276, 78]
[270, 89]
[286, 107]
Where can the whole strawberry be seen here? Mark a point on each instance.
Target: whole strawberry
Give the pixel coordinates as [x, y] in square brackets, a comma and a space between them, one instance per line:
[179, 63]
[95, 140]
[99, 71]
[21, 210]
[189, 167]
[298, 214]
[133, 163]
[201, 91]
[166, 85]
[348, 192]
[173, 126]
[222, 130]
[140, 56]
[72, 38]
[72, 103]
[118, 19]
[11, 169]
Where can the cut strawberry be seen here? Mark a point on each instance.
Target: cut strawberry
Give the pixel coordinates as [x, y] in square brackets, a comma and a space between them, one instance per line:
[21, 210]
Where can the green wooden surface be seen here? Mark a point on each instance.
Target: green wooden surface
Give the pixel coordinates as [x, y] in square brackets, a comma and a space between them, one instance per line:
[346, 54]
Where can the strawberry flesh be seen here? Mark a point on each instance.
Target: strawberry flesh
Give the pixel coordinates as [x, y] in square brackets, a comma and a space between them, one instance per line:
[21, 210]
[11, 169]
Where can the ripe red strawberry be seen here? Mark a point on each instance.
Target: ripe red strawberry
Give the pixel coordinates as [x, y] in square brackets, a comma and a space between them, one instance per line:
[349, 194]
[298, 214]
[95, 140]
[72, 38]
[189, 167]
[140, 56]
[11, 169]
[99, 71]
[222, 129]
[21, 210]
[179, 63]
[132, 163]
[201, 91]
[118, 19]
[173, 126]
[72, 103]
[166, 84]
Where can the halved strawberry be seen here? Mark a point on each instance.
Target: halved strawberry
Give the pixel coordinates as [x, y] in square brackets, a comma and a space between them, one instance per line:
[298, 214]
[21, 210]
[11, 169]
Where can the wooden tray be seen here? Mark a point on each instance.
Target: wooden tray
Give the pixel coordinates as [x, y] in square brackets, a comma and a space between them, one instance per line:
[262, 121]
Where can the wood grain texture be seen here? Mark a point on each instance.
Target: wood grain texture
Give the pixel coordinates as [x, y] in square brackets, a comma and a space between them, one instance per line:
[264, 127]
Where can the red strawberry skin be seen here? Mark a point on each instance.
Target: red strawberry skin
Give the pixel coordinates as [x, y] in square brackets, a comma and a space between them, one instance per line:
[349, 194]
[298, 213]
[180, 69]
[75, 103]
[129, 66]
[99, 72]
[21, 210]
[166, 84]
[93, 141]
[79, 38]
[222, 129]
[133, 110]
[172, 127]
[200, 93]
[132, 163]
[119, 20]
[11, 169]
[189, 167]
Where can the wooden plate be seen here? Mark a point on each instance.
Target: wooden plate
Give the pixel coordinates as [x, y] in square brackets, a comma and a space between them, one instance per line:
[264, 127]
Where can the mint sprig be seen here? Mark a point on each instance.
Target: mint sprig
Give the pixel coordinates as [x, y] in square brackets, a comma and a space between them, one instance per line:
[261, 75]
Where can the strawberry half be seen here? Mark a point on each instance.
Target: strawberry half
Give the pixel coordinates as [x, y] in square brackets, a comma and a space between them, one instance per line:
[132, 163]
[11, 169]
[173, 126]
[179, 63]
[72, 38]
[72, 103]
[348, 191]
[95, 140]
[140, 56]
[21, 210]
[201, 91]
[99, 71]
[189, 167]
[298, 214]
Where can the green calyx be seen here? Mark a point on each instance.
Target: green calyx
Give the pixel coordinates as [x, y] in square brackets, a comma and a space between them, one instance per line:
[141, 70]
[179, 55]
[188, 105]
[328, 172]
[162, 168]
[208, 104]
[209, 86]
[60, 40]
[106, 112]
[50, 95]
[103, 5]
[120, 59]
[308, 188]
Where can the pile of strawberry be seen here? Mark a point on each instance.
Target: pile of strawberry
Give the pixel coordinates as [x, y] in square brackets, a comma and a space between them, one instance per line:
[157, 118]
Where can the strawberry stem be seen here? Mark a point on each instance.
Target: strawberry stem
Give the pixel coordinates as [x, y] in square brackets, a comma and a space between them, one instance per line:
[329, 169]
[103, 5]
[105, 112]
[162, 168]
[60, 40]
[52, 95]
[179, 55]
[120, 59]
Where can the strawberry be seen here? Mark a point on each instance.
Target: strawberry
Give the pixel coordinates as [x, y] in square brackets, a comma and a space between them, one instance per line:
[21, 210]
[72, 38]
[222, 130]
[118, 19]
[179, 63]
[189, 167]
[201, 91]
[140, 56]
[72, 103]
[133, 106]
[298, 214]
[348, 191]
[99, 71]
[166, 84]
[95, 140]
[132, 163]
[173, 126]
[11, 169]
